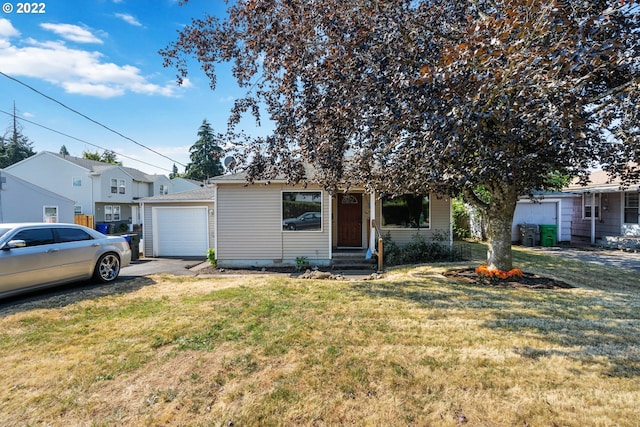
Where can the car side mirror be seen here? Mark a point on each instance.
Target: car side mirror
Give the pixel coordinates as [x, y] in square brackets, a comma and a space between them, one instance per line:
[12, 244]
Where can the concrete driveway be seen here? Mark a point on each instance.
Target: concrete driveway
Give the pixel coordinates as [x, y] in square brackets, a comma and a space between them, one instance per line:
[146, 266]
[606, 257]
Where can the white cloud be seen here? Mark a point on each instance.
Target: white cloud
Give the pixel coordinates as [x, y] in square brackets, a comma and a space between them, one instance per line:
[77, 71]
[7, 30]
[72, 32]
[129, 19]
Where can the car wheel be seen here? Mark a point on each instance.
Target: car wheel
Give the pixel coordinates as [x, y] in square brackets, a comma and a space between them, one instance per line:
[292, 227]
[107, 268]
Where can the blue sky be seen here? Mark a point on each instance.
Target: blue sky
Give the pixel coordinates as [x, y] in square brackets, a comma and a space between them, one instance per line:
[100, 57]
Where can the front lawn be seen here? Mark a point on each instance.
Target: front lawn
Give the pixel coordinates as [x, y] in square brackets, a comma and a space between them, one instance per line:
[412, 349]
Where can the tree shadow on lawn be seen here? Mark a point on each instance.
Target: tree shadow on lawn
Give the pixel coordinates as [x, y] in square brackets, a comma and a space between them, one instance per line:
[593, 327]
[64, 295]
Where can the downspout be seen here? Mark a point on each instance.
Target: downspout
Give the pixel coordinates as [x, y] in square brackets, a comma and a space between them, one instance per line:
[215, 220]
[372, 220]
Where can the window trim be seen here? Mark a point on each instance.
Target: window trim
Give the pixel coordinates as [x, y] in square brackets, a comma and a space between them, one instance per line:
[45, 218]
[282, 218]
[587, 197]
[394, 228]
[113, 209]
[625, 207]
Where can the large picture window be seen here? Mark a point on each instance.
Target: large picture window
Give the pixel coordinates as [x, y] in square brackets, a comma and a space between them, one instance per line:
[302, 210]
[407, 211]
[631, 208]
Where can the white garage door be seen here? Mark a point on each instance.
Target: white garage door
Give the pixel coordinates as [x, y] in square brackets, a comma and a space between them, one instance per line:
[534, 213]
[180, 231]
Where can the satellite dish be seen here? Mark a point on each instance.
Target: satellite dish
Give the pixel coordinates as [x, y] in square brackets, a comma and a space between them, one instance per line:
[230, 162]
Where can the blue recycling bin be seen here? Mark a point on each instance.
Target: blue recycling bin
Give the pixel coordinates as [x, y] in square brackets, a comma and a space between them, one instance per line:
[103, 228]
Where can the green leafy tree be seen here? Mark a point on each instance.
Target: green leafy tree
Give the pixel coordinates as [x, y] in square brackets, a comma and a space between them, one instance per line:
[205, 155]
[432, 95]
[107, 156]
[14, 146]
[174, 172]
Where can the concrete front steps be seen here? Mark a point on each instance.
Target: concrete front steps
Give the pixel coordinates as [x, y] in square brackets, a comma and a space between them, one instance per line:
[353, 260]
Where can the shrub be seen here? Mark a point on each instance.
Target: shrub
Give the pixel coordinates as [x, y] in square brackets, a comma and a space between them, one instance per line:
[211, 256]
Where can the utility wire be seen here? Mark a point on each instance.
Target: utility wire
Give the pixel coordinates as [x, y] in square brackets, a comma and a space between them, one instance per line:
[82, 140]
[89, 118]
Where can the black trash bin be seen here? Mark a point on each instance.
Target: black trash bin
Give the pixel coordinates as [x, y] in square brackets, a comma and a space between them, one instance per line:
[527, 234]
[134, 242]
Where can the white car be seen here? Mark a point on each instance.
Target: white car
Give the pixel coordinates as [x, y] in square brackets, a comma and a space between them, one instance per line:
[37, 255]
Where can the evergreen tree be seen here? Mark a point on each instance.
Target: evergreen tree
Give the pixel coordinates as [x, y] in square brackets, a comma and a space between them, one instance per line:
[174, 173]
[64, 151]
[14, 146]
[205, 155]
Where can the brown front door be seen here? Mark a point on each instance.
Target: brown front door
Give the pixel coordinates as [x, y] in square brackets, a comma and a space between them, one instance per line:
[350, 220]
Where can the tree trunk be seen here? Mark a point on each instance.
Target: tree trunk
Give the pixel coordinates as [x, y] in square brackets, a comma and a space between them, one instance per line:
[500, 220]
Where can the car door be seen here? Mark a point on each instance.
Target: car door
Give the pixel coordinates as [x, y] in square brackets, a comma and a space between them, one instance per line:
[76, 252]
[31, 265]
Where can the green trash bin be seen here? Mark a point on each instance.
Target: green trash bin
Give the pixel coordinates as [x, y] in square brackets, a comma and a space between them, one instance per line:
[548, 233]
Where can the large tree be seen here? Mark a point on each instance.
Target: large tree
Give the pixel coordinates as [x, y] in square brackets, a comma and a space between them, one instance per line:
[205, 155]
[14, 146]
[432, 95]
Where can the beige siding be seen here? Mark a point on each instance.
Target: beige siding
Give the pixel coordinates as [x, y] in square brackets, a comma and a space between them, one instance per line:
[440, 223]
[249, 222]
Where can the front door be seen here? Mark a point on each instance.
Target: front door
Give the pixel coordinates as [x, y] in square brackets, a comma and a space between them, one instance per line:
[350, 220]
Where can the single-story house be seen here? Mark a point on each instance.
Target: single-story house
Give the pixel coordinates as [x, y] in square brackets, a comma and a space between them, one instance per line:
[273, 223]
[22, 201]
[178, 224]
[605, 212]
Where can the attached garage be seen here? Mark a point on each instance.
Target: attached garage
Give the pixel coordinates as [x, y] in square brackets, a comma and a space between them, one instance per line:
[178, 225]
[180, 231]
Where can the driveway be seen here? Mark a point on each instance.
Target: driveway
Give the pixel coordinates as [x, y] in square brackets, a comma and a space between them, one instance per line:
[607, 257]
[146, 266]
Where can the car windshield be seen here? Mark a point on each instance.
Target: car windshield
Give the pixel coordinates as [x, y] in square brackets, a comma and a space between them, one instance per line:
[3, 231]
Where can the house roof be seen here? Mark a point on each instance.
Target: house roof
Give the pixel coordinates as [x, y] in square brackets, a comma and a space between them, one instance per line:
[203, 194]
[99, 167]
[599, 182]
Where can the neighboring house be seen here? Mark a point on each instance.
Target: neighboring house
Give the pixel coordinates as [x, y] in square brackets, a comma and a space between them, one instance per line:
[106, 191]
[267, 224]
[178, 224]
[605, 212]
[22, 201]
[185, 184]
[546, 208]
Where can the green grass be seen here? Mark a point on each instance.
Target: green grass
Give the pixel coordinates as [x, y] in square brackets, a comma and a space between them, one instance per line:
[414, 348]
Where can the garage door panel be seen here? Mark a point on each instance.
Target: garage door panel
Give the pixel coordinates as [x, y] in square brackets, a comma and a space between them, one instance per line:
[181, 231]
[535, 214]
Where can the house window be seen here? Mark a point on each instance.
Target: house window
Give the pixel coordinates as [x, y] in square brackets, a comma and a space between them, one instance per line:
[121, 187]
[631, 208]
[50, 214]
[114, 186]
[76, 181]
[302, 210]
[77, 210]
[407, 211]
[164, 189]
[111, 213]
[587, 209]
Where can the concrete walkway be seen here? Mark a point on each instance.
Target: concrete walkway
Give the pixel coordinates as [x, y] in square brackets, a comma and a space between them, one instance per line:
[607, 257]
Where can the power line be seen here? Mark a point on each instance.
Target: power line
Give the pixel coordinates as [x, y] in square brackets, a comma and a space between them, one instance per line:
[89, 118]
[82, 140]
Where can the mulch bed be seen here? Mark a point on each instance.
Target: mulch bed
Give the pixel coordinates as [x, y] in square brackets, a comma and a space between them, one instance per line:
[528, 280]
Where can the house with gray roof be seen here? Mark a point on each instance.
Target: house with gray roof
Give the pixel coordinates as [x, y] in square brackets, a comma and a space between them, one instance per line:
[106, 191]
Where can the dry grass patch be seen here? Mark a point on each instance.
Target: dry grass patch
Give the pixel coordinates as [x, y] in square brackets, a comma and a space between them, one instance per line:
[413, 349]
